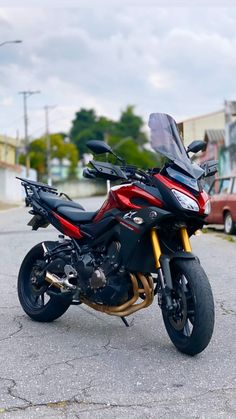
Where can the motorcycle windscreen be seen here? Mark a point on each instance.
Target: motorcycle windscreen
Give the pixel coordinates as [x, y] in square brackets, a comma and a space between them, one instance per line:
[165, 139]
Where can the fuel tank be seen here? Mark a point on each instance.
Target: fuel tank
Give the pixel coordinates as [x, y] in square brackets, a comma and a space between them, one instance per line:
[129, 196]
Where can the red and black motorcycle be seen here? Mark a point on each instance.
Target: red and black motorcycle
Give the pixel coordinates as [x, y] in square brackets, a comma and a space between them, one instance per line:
[134, 247]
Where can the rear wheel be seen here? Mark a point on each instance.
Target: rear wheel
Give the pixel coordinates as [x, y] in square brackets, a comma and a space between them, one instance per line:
[229, 226]
[190, 327]
[33, 297]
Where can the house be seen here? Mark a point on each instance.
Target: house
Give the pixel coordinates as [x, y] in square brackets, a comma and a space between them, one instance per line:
[8, 149]
[196, 127]
[218, 129]
[215, 139]
[10, 188]
[215, 150]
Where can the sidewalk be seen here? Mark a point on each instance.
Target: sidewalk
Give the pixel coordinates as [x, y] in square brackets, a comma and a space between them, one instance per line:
[6, 206]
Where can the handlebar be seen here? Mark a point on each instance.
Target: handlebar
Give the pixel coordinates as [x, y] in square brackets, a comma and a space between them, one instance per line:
[89, 173]
[131, 173]
[210, 167]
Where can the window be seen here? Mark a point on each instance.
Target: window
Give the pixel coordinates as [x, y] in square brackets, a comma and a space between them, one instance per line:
[214, 189]
[234, 185]
[224, 185]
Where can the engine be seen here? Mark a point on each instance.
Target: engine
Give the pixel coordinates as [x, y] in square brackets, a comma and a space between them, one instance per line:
[102, 279]
[99, 276]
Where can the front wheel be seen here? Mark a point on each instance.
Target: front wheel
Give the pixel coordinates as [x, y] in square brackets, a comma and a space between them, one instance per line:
[191, 325]
[33, 297]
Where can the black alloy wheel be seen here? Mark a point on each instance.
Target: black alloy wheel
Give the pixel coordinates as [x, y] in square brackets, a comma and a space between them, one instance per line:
[191, 325]
[32, 292]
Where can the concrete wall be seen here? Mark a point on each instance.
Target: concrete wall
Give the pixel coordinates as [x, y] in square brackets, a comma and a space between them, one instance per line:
[11, 190]
[82, 188]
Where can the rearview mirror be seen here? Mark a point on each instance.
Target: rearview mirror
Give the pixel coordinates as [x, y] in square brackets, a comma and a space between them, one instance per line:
[99, 147]
[196, 146]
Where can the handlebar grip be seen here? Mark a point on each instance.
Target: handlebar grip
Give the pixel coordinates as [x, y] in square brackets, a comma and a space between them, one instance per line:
[89, 173]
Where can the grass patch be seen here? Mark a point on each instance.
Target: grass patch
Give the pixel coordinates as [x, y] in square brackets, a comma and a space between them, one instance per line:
[229, 238]
[226, 237]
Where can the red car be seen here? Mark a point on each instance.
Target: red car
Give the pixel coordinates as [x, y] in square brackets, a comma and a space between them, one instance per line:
[223, 203]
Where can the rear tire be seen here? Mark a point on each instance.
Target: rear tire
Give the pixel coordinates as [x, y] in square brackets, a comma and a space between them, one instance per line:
[32, 297]
[229, 226]
[190, 328]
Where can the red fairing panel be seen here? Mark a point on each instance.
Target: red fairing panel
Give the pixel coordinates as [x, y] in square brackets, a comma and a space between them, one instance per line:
[201, 199]
[120, 197]
[106, 206]
[67, 228]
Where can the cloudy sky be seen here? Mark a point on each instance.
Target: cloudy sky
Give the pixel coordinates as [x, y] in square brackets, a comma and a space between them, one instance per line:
[107, 54]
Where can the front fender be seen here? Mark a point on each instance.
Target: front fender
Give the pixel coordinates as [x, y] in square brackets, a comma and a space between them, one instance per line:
[166, 262]
[183, 255]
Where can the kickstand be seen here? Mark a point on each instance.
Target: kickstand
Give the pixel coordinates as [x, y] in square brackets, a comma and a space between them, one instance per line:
[125, 321]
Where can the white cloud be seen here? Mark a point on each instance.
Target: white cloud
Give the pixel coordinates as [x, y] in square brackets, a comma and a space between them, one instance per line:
[180, 60]
[7, 101]
[161, 81]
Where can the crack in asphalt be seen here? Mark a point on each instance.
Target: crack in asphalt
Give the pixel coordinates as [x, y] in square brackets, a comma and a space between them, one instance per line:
[225, 311]
[101, 405]
[28, 404]
[107, 345]
[10, 389]
[68, 362]
[20, 327]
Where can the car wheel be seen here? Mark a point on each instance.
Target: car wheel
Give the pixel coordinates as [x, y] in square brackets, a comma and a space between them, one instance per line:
[229, 226]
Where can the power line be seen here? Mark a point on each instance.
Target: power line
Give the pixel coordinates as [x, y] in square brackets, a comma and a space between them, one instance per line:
[43, 127]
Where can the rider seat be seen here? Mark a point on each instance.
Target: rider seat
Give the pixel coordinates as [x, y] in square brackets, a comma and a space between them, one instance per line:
[71, 210]
[75, 215]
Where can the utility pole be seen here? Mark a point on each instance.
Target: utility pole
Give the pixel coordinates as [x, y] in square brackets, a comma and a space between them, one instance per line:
[48, 143]
[25, 95]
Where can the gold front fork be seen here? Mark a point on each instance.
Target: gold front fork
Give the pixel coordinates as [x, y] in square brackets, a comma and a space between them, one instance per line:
[156, 247]
[185, 239]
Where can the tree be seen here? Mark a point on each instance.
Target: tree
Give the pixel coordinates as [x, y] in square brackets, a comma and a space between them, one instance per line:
[134, 154]
[85, 118]
[87, 126]
[126, 135]
[130, 125]
[59, 149]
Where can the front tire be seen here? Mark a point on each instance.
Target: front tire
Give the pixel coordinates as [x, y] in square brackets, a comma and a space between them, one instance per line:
[33, 298]
[191, 326]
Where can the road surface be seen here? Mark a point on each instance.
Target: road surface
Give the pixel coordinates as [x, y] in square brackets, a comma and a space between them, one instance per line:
[88, 365]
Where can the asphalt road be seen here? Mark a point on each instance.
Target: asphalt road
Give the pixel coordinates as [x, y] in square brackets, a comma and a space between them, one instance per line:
[88, 365]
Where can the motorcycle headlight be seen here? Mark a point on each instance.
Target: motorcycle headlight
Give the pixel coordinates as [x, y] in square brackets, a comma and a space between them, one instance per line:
[207, 208]
[185, 201]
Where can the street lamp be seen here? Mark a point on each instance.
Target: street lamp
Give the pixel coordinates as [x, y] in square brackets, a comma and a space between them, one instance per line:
[17, 41]
[27, 94]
